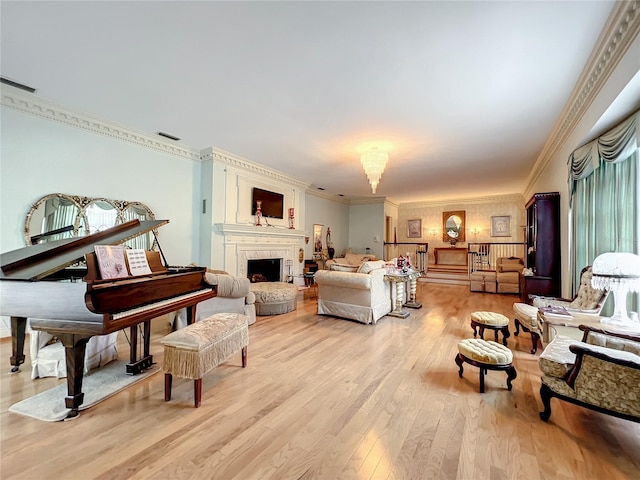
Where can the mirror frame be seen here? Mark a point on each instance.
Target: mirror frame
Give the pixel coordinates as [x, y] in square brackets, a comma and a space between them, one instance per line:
[463, 226]
[82, 203]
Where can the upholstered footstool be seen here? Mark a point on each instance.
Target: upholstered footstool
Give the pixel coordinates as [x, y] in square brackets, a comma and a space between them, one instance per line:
[274, 298]
[526, 317]
[193, 351]
[493, 321]
[482, 281]
[486, 355]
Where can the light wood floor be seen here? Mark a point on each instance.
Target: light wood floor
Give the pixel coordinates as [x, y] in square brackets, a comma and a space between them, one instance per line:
[324, 398]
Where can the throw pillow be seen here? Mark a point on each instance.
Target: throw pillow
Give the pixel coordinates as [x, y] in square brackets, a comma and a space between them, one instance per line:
[368, 267]
[338, 267]
[511, 264]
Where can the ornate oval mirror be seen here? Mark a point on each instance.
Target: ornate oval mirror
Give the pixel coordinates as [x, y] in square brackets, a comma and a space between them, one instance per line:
[100, 214]
[58, 216]
[53, 217]
[136, 210]
[453, 226]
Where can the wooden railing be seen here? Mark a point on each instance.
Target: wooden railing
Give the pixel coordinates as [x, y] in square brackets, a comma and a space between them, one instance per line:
[495, 251]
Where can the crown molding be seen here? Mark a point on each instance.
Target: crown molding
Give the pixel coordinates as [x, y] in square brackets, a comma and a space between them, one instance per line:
[515, 197]
[217, 155]
[328, 196]
[368, 201]
[619, 33]
[37, 106]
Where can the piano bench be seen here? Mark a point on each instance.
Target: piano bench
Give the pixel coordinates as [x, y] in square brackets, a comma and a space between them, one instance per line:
[195, 350]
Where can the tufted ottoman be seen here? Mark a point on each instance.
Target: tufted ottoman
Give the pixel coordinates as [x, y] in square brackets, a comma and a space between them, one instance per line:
[493, 321]
[482, 281]
[274, 298]
[193, 351]
[486, 355]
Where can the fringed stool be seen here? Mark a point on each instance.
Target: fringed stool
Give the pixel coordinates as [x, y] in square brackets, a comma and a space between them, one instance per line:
[193, 351]
[493, 321]
[486, 356]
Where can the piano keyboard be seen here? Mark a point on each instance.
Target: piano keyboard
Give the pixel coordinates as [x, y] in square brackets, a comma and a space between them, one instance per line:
[160, 304]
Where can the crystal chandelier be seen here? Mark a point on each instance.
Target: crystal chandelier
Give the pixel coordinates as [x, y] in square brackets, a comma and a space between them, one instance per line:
[373, 163]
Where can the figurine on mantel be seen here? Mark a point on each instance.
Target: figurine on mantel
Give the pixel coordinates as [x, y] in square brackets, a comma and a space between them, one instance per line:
[258, 213]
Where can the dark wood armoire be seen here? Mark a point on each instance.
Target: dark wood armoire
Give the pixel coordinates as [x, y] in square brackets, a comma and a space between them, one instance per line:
[542, 238]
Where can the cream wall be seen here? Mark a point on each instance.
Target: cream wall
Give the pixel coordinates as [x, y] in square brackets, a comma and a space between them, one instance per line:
[366, 226]
[551, 170]
[478, 213]
[331, 212]
[41, 156]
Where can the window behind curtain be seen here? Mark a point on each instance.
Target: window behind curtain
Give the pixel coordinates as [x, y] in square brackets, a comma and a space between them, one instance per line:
[604, 217]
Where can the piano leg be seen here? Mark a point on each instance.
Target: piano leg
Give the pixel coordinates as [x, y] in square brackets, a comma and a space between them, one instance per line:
[18, 327]
[74, 347]
[136, 366]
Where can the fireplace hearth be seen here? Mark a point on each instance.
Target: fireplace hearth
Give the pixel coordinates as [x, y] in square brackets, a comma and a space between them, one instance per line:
[264, 269]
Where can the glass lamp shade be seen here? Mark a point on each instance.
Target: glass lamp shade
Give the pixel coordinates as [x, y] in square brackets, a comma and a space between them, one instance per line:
[618, 273]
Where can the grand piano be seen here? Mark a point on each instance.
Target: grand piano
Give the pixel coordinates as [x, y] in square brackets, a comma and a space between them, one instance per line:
[42, 283]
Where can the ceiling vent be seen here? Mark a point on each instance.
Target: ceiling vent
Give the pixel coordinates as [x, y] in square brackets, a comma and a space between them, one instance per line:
[168, 135]
[6, 81]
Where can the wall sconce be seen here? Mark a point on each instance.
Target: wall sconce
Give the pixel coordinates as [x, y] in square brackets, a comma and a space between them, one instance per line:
[475, 231]
[433, 232]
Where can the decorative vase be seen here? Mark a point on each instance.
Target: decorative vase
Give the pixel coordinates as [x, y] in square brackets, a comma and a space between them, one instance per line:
[258, 213]
[291, 219]
[331, 251]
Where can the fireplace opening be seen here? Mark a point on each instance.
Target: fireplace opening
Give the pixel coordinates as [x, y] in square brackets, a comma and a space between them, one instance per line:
[264, 270]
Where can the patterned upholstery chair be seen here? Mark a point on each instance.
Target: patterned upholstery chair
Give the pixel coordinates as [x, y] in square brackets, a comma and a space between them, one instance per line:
[587, 300]
[602, 373]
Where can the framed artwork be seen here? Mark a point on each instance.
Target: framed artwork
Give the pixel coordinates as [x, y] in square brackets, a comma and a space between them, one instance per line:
[317, 238]
[501, 226]
[414, 228]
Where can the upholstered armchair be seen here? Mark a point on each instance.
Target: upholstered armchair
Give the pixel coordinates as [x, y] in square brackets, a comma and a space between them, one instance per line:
[587, 300]
[234, 296]
[363, 296]
[508, 271]
[601, 372]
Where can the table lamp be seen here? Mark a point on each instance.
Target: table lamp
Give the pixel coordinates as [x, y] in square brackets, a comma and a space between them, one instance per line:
[619, 273]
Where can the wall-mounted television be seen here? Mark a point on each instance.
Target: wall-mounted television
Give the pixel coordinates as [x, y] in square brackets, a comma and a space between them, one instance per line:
[272, 203]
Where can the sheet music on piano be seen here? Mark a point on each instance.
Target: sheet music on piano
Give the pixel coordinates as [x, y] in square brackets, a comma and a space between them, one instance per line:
[111, 261]
[137, 260]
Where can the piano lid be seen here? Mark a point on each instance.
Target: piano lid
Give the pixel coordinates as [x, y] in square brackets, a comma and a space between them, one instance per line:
[38, 261]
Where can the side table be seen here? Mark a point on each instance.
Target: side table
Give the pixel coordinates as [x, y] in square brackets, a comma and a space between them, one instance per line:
[398, 279]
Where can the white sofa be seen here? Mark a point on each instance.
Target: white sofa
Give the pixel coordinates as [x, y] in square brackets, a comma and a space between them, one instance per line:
[350, 262]
[363, 296]
[234, 296]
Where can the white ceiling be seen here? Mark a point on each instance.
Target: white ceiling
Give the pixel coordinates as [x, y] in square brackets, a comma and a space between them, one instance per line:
[462, 94]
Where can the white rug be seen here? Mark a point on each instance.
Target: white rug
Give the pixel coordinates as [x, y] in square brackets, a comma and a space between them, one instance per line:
[98, 385]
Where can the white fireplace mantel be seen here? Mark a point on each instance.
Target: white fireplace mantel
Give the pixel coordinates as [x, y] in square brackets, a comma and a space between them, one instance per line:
[263, 231]
[243, 242]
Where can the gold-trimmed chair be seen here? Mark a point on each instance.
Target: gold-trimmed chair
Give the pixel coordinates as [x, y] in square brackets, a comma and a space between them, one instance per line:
[601, 372]
[587, 300]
